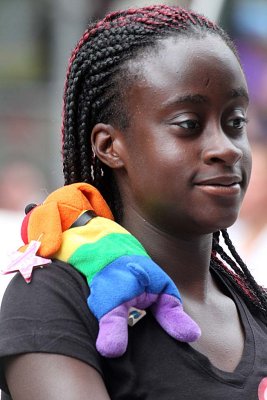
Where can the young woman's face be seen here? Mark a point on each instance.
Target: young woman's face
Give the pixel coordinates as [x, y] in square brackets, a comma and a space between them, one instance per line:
[187, 156]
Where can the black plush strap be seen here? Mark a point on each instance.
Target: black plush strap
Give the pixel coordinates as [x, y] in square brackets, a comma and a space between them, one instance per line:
[83, 219]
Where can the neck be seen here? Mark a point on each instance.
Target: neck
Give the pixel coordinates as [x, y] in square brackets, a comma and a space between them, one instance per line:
[185, 259]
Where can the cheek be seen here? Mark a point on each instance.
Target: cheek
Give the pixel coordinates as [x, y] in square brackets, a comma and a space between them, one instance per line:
[159, 164]
[246, 163]
[168, 164]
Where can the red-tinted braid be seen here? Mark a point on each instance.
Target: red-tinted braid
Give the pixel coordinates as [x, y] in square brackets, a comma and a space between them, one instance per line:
[239, 275]
[216, 263]
[151, 13]
[257, 290]
[96, 84]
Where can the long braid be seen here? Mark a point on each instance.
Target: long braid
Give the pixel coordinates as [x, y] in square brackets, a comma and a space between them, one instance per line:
[260, 293]
[239, 275]
[95, 91]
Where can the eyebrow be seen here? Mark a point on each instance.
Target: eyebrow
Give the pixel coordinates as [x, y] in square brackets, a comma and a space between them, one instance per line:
[200, 99]
[188, 98]
[239, 92]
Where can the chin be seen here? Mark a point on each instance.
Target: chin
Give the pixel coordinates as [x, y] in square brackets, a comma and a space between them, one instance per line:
[227, 223]
[224, 219]
[217, 225]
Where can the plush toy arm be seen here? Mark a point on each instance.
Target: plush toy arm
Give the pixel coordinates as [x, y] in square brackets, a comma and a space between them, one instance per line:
[112, 338]
[136, 281]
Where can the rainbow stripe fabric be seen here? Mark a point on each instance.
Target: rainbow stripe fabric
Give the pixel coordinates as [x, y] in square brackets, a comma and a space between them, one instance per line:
[115, 264]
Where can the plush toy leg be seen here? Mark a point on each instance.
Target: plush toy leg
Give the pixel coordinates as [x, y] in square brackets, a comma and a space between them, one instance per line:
[169, 313]
[112, 339]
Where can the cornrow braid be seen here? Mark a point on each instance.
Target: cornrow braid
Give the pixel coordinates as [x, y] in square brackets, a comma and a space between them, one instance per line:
[95, 79]
[95, 90]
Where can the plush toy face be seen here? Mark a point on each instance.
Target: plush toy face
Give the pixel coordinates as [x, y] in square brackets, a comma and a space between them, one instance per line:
[47, 221]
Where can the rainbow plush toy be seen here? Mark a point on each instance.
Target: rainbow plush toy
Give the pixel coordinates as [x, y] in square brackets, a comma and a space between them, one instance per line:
[75, 225]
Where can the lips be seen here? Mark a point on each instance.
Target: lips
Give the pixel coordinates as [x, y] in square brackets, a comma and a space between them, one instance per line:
[223, 180]
[223, 185]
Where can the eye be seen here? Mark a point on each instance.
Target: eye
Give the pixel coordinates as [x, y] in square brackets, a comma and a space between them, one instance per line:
[189, 124]
[186, 123]
[238, 123]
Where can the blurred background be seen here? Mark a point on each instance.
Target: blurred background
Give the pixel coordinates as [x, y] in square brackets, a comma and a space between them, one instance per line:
[36, 38]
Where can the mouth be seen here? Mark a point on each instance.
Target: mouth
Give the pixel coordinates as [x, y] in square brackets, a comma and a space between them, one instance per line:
[221, 185]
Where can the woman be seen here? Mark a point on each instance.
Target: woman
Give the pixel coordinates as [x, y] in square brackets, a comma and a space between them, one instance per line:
[155, 117]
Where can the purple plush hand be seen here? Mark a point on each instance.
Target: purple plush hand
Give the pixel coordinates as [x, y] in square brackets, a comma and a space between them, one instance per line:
[168, 311]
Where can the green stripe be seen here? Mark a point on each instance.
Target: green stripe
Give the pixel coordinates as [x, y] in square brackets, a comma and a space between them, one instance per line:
[90, 258]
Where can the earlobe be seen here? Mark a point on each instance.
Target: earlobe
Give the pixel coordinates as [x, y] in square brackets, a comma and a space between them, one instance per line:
[107, 143]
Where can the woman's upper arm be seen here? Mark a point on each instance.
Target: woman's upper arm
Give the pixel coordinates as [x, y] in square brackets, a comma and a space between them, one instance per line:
[42, 376]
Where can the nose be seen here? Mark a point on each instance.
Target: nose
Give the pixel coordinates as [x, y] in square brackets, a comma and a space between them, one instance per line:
[220, 148]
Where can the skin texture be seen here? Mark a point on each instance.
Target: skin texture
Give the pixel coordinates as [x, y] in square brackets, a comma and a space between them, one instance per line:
[166, 160]
[53, 377]
[186, 134]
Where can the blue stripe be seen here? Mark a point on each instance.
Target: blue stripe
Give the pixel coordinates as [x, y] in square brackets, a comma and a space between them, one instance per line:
[126, 278]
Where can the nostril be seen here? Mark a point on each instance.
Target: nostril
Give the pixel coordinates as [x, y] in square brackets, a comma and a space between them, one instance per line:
[219, 153]
[216, 159]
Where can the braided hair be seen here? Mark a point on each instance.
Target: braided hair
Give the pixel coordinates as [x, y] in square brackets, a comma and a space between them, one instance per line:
[94, 92]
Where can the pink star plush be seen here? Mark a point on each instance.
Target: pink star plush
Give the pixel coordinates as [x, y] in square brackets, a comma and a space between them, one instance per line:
[24, 262]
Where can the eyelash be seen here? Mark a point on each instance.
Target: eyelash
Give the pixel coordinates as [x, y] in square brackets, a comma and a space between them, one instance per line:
[196, 124]
[188, 121]
[243, 121]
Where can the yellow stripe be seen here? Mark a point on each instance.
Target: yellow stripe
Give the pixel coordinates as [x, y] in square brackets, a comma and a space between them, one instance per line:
[97, 228]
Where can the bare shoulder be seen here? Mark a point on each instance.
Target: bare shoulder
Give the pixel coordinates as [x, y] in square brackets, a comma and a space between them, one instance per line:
[42, 376]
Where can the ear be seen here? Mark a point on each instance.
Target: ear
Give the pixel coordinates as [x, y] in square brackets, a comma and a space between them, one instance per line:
[44, 224]
[94, 199]
[108, 144]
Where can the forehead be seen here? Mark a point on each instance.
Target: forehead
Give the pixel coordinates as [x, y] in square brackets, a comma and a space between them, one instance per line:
[187, 65]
